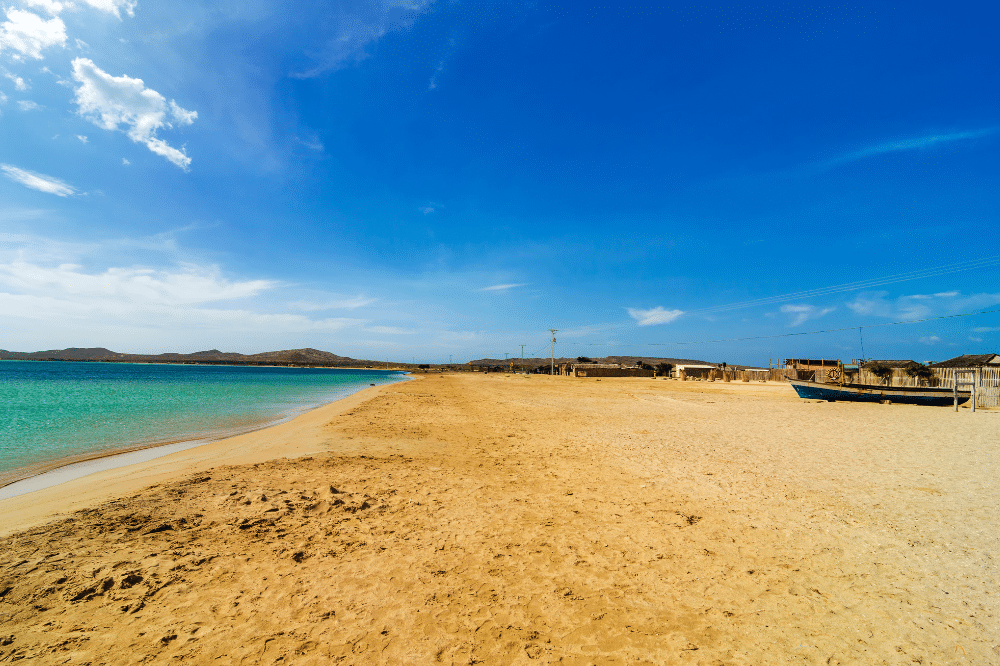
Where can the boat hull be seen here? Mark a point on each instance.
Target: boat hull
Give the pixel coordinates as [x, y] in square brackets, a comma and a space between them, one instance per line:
[867, 393]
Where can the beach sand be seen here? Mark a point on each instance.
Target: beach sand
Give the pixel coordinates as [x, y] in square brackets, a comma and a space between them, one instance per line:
[502, 519]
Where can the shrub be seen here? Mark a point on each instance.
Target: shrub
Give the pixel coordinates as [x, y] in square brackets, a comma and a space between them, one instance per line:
[880, 370]
[918, 371]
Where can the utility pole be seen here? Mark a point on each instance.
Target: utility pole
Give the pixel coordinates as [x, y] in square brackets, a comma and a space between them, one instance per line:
[522, 357]
[449, 359]
[552, 352]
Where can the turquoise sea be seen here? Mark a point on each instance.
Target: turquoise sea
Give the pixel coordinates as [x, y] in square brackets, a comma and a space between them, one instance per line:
[54, 409]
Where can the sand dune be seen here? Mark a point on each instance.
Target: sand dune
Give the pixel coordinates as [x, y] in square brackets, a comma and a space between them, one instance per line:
[513, 520]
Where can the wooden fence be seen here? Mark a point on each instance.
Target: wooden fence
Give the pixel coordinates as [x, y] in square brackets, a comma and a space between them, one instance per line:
[764, 375]
[987, 382]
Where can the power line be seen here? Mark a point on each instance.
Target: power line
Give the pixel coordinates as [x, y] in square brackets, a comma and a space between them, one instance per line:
[854, 286]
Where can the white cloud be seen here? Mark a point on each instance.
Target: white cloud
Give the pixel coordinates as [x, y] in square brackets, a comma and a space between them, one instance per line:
[426, 210]
[975, 339]
[37, 181]
[654, 316]
[919, 306]
[125, 162]
[82, 138]
[50, 6]
[177, 305]
[930, 340]
[114, 6]
[3, 98]
[986, 329]
[804, 313]
[19, 83]
[185, 286]
[28, 105]
[504, 287]
[126, 104]
[29, 34]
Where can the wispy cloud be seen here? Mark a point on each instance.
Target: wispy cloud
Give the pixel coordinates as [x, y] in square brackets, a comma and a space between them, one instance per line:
[356, 27]
[426, 210]
[901, 145]
[654, 316]
[82, 138]
[986, 329]
[311, 144]
[930, 339]
[19, 83]
[50, 6]
[121, 102]
[28, 105]
[918, 306]
[804, 313]
[389, 330]
[37, 181]
[334, 304]
[184, 286]
[505, 287]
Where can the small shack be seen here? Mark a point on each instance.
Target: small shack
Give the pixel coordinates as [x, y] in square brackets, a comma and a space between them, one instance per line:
[693, 370]
[811, 369]
[983, 369]
[969, 361]
[609, 370]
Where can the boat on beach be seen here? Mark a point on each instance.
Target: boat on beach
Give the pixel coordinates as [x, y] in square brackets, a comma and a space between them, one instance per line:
[908, 395]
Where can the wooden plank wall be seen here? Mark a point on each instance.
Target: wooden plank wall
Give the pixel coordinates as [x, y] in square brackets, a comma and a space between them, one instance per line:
[987, 389]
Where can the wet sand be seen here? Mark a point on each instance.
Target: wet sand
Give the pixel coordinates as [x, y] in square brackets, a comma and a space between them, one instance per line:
[508, 519]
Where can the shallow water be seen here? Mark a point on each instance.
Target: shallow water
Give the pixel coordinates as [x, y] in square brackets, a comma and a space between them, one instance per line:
[54, 409]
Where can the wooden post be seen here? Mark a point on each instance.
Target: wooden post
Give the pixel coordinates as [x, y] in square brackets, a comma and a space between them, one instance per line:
[975, 381]
[956, 390]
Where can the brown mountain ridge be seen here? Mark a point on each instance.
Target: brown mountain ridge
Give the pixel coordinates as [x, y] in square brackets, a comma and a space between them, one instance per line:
[288, 357]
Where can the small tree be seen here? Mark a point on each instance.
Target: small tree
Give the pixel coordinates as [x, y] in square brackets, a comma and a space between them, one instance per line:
[880, 370]
[918, 371]
[583, 359]
[664, 369]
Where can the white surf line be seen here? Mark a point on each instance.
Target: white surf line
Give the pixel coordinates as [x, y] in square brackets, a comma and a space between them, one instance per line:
[81, 469]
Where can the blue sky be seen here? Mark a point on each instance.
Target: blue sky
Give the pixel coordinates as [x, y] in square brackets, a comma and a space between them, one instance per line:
[415, 179]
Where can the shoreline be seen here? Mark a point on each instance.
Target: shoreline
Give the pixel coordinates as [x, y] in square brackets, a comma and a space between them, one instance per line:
[39, 469]
[38, 505]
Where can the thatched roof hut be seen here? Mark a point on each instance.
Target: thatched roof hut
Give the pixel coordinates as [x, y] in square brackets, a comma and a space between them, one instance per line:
[970, 361]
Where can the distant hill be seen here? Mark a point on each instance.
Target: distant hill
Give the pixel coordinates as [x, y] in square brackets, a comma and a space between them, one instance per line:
[295, 357]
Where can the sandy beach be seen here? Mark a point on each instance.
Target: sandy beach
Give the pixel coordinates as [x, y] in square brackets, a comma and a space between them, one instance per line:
[502, 519]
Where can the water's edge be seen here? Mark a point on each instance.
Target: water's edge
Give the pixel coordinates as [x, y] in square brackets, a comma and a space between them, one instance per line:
[28, 479]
